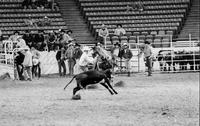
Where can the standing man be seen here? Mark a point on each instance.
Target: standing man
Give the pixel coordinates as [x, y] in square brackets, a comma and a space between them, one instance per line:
[102, 34]
[126, 54]
[28, 63]
[148, 55]
[77, 54]
[70, 56]
[60, 56]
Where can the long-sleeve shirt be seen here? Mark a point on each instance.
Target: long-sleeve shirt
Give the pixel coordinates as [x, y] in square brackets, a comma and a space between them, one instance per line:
[28, 59]
[119, 31]
[85, 60]
[147, 51]
[103, 33]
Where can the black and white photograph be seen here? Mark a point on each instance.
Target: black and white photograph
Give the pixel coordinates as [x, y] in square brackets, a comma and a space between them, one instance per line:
[99, 62]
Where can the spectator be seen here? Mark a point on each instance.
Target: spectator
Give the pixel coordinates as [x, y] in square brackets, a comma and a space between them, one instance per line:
[36, 62]
[14, 37]
[119, 31]
[40, 45]
[55, 6]
[115, 52]
[77, 54]
[33, 4]
[28, 38]
[69, 36]
[30, 22]
[26, 4]
[21, 42]
[51, 39]
[1, 41]
[19, 58]
[148, 55]
[27, 63]
[64, 38]
[102, 34]
[126, 54]
[70, 56]
[45, 21]
[60, 57]
[135, 6]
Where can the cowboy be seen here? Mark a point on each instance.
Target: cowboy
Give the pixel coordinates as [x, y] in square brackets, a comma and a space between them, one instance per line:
[85, 60]
[60, 57]
[70, 56]
[27, 63]
[126, 54]
[148, 55]
[77, 54]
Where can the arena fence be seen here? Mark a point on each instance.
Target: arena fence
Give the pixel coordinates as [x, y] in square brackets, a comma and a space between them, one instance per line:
[171, 59]
[166, 59]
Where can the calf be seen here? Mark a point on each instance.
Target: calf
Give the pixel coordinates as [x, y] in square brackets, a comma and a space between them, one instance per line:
[93, 77]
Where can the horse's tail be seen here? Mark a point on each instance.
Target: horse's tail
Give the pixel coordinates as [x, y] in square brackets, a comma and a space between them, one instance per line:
[69, 82]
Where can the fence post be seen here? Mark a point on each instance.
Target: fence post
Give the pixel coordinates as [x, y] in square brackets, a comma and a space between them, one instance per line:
[171, 47]
[194, 65]
[190, 40]
[138, 44]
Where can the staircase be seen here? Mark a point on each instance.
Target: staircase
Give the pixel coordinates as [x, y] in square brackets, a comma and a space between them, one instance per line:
[74, 20]
[192, 22]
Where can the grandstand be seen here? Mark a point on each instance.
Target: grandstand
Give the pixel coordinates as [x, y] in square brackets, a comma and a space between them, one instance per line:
[156, 23]
[13, 15]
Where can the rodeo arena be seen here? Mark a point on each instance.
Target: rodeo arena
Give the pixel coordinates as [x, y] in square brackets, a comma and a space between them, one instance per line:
[99, 62]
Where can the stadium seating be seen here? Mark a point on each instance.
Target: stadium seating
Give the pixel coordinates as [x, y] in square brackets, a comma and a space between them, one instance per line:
[13, 16]
[159, 18]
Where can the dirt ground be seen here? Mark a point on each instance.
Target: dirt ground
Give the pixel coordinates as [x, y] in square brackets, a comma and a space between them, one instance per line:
[160, 100]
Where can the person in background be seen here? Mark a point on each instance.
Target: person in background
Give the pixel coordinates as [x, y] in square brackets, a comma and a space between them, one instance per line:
[119, 31]
[69, 36]
[102, 34]
[51, 39]
[28, 63]
[148, 55]
[26, 4]
[28, 38]
[126, 54]
[115, 53]
[77, 54]
[70, 56]
[60, 57]
[36, 62]
[64, 38]
[14, 37]
[40, 45]
[18, 60]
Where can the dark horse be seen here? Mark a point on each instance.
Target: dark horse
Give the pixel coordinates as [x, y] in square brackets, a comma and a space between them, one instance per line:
[102, 63]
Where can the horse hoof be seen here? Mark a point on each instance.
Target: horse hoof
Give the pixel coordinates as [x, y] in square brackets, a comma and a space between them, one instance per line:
[76, 97]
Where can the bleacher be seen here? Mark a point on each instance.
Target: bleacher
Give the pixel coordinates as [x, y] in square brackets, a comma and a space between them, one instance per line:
[159, 20]
[13, 15]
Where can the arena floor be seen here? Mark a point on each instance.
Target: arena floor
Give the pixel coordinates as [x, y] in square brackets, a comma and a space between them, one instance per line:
[160, 100]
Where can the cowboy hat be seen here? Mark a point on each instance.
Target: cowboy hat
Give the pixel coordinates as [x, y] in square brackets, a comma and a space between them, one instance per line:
[146, 42]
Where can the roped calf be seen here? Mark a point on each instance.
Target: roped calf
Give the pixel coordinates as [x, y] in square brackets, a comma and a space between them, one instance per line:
[93, 77]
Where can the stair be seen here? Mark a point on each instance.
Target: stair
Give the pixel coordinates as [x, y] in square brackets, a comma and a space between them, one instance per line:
[74, 20]
[191, 25]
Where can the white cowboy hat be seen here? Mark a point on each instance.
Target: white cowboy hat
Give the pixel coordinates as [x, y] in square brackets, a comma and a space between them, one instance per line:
[125, 44]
